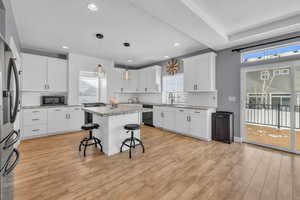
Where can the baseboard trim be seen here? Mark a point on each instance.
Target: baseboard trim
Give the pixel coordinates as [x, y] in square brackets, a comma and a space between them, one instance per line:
[238, 139]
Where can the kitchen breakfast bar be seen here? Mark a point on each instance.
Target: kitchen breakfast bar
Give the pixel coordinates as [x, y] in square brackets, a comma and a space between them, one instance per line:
[112, 121]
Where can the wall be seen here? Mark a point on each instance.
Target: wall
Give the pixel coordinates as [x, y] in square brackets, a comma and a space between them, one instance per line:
[79, 63]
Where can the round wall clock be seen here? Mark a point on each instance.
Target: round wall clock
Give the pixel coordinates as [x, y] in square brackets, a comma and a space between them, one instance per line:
[172, 66]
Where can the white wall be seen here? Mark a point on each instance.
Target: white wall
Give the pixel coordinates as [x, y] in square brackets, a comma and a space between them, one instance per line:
[79, 63]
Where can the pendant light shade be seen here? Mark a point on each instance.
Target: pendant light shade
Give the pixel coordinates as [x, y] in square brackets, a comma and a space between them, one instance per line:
[100, 71]
[126, 75]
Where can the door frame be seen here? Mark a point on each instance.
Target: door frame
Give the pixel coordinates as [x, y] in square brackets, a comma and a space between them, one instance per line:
[243, 71]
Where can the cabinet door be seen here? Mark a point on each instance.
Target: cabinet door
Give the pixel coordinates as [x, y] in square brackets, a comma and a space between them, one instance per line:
[189, 74]
[57, 75]
[198, 124]
[169, 120]
[34, 74]
[75, 118]
[157, 117]
[182, 121]
[143, 80]
[204, 70]
[154, 79]
[57, 120]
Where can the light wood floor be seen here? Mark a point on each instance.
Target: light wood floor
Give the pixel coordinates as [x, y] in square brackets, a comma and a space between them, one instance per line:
[173, 167]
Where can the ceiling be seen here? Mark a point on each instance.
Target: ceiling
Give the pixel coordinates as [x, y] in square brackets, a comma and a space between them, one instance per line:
[152, 27]
[51, 24]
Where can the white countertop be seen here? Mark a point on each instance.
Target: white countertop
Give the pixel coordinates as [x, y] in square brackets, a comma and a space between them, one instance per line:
[120, 110]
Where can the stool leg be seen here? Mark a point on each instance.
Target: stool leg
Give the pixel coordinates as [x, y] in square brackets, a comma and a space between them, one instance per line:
[99, 142]
[141, 143]
[86, 144]
[95, 141]
[132, 138]
[80, 145]
[130, 148]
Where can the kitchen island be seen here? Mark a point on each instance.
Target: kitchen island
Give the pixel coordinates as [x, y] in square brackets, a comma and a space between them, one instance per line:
[111, 121]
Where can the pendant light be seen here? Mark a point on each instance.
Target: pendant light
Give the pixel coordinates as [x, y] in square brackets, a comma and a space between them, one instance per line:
[126, 75]
[100, 71]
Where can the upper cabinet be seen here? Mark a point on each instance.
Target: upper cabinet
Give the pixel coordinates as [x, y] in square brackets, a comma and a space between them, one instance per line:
[34, 72]
[199, 73]
[57, 75]
[147, 80]
[42, 73]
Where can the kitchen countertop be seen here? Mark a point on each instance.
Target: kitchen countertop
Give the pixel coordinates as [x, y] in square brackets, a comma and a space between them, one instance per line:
[183, 106]
[41, 107]
[120, 110]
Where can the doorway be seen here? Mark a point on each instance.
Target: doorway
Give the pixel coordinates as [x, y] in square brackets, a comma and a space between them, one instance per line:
[270, 105]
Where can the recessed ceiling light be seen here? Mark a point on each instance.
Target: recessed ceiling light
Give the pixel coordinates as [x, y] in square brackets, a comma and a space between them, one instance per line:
[176, 44]
[129, 60]
[126, 44]
[65, 47]
[92, 7]
[99, 36]
[167, 57]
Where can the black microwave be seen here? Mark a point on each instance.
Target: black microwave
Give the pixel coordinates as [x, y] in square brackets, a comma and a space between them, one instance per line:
[53, 100]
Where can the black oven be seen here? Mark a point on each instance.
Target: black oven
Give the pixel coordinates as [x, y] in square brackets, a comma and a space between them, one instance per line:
[148, 116]
[53, 100]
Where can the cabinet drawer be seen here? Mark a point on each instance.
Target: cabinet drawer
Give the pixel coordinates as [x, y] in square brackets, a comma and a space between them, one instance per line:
[34, 116]
[35, 130]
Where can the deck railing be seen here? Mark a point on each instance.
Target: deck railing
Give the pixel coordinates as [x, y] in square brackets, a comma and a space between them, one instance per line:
[272, 115]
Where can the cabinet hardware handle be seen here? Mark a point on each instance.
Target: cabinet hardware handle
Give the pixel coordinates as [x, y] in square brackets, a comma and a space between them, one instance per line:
[187, 118]
[181, 110]
[36, 111]
[57, 110]
[35, 119]
[197, 112]
[35, 130]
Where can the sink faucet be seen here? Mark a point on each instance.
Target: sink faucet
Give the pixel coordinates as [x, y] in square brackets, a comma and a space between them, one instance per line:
[172, 97]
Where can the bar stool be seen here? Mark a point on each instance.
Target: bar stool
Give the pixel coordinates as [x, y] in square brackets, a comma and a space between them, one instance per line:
[131, 128]
[85, 142]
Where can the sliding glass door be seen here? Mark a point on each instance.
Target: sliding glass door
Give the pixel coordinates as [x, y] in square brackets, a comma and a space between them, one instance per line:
[271, 105]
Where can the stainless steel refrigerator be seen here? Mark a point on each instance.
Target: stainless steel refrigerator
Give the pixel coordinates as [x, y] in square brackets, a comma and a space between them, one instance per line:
[9, 104]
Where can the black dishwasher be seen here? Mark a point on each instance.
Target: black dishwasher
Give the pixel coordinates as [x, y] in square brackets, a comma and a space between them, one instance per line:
[222, 126]
[148, 116]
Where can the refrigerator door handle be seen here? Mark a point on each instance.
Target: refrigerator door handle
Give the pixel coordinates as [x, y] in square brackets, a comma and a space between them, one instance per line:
[13, 69]
[9, 141]
[8, 168]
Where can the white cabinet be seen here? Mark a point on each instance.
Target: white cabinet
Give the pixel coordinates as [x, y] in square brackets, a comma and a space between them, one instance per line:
[158, 120]
[57, 120]
[164, 117]
[169, 119]
[57, 75]
[147, 80]
[199, 124]
[47, 121]
[190, 122]
[34, 72]
[75, 118]
[34, 123]
[150, 79]
[42, 73]
[199, 73]
[182, 121]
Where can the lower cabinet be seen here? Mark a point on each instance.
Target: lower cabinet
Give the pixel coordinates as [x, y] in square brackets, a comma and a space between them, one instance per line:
[190, 122]
[47, 121]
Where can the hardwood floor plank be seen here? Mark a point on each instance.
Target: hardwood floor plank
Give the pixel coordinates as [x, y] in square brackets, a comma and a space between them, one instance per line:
[173, 167]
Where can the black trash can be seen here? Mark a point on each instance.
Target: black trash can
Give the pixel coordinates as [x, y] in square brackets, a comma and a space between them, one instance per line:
[222, 126]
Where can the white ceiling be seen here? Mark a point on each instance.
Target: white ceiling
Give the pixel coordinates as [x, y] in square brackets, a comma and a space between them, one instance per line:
[50, 24]
[237, 15]
[152, 26]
